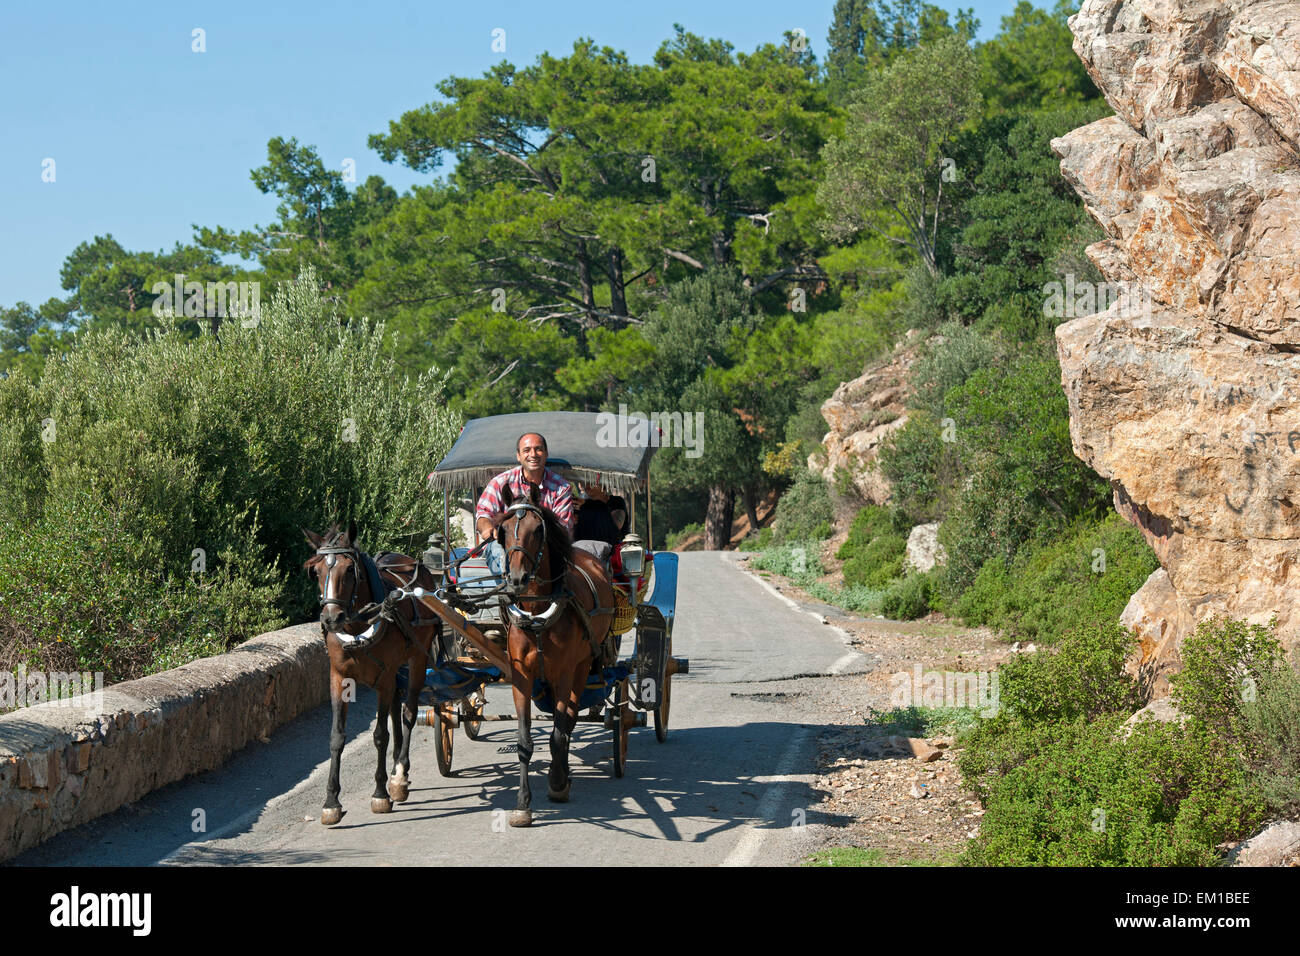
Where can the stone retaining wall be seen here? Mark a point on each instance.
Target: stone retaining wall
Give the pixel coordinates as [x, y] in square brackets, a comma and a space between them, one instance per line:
[63, 763]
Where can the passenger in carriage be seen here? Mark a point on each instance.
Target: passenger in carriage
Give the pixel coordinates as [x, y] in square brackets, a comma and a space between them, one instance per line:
[601, 522]
[531, 453]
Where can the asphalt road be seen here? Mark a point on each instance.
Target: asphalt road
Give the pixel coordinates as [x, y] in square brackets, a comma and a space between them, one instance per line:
[730, 786]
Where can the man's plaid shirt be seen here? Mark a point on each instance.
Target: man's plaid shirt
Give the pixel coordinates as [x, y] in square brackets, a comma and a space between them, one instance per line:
[555, 496]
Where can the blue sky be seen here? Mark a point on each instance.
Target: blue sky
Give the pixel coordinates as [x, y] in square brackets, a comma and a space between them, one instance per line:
[149, 137]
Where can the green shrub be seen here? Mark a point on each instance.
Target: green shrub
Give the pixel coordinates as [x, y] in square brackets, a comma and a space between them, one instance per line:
[757, 542]
[909, 598]
[1224, 662]
[227, 443]
[872, 553]
[1024, 481]
[949, 363]
[1166, 796]
[919, 721]
[1236, 681]
[1087, 576]
[1062, 785]
[856, 598]
[921, 467]
[73, 597]
[804, 512]
[1082, 679]
[800, 561]
[1272, 725]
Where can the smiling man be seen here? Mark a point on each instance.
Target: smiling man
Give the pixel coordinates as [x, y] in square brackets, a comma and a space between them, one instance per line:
[530, 450]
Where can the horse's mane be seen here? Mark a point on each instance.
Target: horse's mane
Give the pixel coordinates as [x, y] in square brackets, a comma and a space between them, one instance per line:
[558, 542]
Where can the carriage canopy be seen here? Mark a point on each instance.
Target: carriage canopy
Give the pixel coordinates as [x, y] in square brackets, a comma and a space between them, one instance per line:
[579, 445]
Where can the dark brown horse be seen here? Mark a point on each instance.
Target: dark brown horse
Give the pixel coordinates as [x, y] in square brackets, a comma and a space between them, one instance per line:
[542, 569]
[367, 646]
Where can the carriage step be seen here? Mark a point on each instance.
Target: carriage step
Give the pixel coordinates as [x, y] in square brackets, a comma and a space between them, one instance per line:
[681, 665]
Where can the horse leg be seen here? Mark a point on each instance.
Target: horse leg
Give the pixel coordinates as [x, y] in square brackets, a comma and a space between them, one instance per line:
[333, 811]
[567, 694]
[399, 784]
[379, 801]
[522, 657]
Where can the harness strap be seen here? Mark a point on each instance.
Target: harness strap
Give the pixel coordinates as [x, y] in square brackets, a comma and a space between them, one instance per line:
[585, 616]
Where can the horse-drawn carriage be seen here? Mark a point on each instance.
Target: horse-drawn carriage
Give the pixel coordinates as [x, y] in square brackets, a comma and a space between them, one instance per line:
[481, 634]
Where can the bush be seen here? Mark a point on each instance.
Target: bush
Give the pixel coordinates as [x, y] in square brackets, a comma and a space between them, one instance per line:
[1085, 577]
[804, 512]
[873, 552]
[949, 363]
[908, 599]
[73, 597]
[800, 561]
[921, 467]
[157, 447]
[859, 599]
[1166, 796]
[1063, 786]
[1024, 482]
[919, 721]
[1272, 725]
[1224, 662]
[1236, 681]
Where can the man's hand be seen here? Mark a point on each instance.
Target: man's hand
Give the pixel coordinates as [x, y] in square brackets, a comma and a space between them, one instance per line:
[486, 525]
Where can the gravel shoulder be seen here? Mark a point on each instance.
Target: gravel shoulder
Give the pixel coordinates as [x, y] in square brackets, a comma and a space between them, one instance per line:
[874, 788]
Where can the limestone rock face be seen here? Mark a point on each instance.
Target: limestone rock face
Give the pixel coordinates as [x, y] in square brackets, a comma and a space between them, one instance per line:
[1187, 396]
[861, 415]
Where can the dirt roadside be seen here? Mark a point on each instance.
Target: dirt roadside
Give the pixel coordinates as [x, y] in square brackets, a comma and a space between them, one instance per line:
[886, 789]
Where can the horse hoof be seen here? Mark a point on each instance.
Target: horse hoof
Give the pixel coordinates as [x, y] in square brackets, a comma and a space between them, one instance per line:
[399, 791]
[560, 796]
[521, 818]
[381, 805]
[331, 815]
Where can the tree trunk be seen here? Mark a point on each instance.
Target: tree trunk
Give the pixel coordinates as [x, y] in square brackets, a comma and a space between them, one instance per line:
[617, 295]
[751, 507]
[587, 286]
[717, 521]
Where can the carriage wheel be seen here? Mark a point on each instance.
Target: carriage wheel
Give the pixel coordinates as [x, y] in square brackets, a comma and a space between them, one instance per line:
[665, 698]
[622, 724]
[443, 735]
[470, 710]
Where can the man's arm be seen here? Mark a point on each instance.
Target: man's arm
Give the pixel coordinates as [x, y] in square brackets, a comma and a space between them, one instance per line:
[489, 511]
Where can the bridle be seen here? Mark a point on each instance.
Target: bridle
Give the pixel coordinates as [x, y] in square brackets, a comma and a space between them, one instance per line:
[330, 553]
[516, 510]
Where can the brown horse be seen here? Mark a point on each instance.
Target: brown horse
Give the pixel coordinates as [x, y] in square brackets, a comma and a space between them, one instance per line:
[543, 569]
[369, 646]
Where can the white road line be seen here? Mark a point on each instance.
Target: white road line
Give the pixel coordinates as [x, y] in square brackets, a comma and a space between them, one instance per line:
[852, 657]
[844, 635]
[751, 840]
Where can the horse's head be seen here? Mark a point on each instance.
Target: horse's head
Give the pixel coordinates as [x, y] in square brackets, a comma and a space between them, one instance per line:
[523, 536]
[342, 584]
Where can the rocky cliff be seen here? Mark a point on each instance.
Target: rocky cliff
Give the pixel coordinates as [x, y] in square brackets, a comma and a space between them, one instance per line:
[1186, 396]
[861, 415]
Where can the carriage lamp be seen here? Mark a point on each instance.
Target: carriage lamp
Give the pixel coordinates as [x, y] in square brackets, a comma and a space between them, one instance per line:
[435, 557]
[632, 555]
